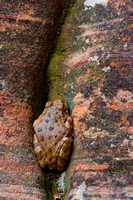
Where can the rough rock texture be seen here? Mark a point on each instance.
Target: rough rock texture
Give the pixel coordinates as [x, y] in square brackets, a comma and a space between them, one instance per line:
[27, 34]
[93, 61]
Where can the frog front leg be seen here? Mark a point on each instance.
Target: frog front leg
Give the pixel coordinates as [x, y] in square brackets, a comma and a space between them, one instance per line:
[68, 125]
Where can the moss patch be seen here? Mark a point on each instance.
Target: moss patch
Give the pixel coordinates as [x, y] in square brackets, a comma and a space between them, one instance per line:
[54, 79]
[53, 188]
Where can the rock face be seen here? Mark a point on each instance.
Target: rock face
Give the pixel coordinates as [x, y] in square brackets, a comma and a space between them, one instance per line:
[27, 31]
[95, 59]
[92, 66]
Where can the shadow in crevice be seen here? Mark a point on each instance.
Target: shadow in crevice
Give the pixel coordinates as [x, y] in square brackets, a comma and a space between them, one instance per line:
[41, 87]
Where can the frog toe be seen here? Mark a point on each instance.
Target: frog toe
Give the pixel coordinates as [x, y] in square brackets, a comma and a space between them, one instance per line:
[68, 123]
[48, 104]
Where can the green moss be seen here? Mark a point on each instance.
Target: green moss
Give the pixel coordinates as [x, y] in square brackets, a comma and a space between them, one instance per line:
[67, 180]
[95, 73]
[53, 81]
[52, 186]
[114, 38]
[71, 77]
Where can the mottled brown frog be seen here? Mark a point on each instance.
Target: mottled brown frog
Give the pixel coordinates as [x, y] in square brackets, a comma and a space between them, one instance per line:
[53, 135]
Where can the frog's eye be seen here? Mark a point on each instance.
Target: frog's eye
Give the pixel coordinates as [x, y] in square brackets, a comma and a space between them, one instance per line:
[64, 107]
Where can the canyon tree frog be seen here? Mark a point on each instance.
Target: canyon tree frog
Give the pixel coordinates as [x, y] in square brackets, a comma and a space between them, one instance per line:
[53, 135]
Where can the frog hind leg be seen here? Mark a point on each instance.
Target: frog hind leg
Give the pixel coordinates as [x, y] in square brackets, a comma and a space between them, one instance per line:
[64, 153]
[38, 152]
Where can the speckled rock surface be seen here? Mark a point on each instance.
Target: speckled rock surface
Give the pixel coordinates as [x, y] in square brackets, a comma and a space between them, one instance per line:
[93, 67]
[27, 35]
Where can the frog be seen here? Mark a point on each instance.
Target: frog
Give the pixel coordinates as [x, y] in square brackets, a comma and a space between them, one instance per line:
[53, 136]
